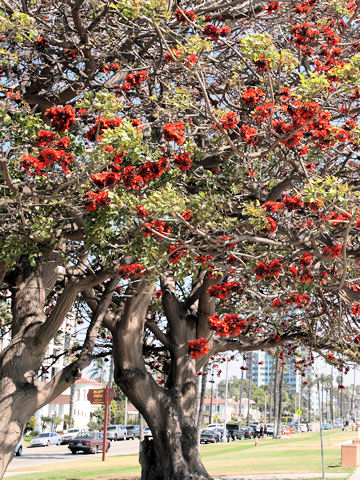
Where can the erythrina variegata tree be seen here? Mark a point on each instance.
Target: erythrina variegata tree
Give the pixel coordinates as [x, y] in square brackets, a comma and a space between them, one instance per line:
[199, 156]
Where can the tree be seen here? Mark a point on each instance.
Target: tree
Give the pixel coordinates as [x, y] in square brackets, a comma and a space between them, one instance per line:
[202, 154]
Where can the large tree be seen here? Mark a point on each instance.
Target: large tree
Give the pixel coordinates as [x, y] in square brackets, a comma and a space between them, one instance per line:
[203, 152]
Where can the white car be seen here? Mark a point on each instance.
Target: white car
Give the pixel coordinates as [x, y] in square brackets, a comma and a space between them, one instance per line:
[18, 449]
[46, 439]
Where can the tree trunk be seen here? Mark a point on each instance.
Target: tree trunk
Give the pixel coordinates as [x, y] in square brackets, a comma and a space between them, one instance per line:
[202, 399]
[249, 391]
[276, 396]
[281, 379]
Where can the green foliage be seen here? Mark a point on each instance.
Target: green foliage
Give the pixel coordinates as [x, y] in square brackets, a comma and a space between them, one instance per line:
[31, 424]
[328, 189]
[312, 84]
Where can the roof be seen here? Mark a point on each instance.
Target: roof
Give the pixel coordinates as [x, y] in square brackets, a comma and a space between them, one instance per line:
[92, 382]
[61, 400]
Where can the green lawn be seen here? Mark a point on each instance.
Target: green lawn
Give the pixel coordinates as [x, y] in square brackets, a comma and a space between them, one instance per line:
[301, 454]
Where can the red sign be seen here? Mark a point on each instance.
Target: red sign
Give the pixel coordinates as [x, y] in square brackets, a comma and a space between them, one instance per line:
[101, 396]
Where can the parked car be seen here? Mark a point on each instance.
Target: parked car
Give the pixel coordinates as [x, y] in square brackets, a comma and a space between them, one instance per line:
[133, 431]
[89, 442]
[214, 425]
[325, 426]
[18, 449]
[208, 436]
[116, 432]
[46, 439]
[235, 432]
[269, 429]
[147, 432]
[72, 433]
[249, 432]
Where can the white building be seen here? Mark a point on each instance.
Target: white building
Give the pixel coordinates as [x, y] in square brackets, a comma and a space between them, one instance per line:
[60, 406]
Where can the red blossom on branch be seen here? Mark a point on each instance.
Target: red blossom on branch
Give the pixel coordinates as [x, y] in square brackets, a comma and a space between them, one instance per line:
[198, 347]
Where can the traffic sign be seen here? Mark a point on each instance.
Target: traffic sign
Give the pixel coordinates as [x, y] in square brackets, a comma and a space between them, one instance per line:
[298, 412]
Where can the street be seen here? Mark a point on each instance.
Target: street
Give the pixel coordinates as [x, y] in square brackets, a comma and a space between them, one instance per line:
[36, 456]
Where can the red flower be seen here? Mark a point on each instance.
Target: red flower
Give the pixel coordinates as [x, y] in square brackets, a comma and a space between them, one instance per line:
[198, 347]
[176, 252]
[187, 215]
[277, 303]
[229, 121]
[131, 271]
[134, 80]
[306, 260]
[105, 179]
[191, 60]
[225, 32]
[105, 123]
[292, 203]
[93, 200]
[130, 178]
[150, 170]
[249, 134]
[185, 15]
[334, 251]
[212, 31]
[174, 132]
[272, 7]
[141, 211]
[273, 207]
[356, 309]
[224, 289]
[229, 326]
[157, 226]
[203, 259]
[183, 161]
[272, 225]
[277, 337]
[62, 118]
[42, 43]
[271, 270]
[252, 96]
[44, 138]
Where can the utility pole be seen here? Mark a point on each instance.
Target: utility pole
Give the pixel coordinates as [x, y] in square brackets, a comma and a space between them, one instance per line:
[224, 439]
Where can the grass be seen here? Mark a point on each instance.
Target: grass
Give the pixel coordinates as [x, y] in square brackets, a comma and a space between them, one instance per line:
[301, 454]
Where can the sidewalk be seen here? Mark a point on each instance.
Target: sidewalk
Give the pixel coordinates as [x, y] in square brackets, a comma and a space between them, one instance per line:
[293, 476]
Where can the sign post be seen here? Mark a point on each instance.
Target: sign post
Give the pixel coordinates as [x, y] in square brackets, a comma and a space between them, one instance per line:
[102, 396]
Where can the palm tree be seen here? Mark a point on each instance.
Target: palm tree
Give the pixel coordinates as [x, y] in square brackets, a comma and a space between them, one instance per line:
[98, 370]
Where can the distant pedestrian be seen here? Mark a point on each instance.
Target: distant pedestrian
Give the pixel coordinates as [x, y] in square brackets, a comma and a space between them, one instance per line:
[261, 430]
[265, 430]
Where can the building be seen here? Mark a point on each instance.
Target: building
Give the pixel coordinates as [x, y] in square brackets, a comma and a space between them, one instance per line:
[60, 406]
[221, 412]
[261, 366]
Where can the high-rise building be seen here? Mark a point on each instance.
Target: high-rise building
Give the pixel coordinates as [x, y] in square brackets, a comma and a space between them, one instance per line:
[261, 368]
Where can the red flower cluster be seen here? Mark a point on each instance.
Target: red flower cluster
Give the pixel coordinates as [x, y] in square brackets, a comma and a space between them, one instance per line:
[105, 124]
[176, 252]
[187, 215]
[230, 325]
[249, 134]
[338, 220]
[49, 155]
[183, 161]
[252, 96]
[271, 270]
[94, 200]
[105, 179]
[174, 132]
[198, 347]
[292, 203]
[131, 271]
[131, 179]
[62, 118]
[272, 225]
[151, 170]
[224, 290]
[215, 33]
[203, 259]
[184, 15]
[356, 309]
[229, 121]
[334, 251]
[272, 7]
[134, 80]
[297, 298]
[42, 43]
[273, 207]
[158, 227]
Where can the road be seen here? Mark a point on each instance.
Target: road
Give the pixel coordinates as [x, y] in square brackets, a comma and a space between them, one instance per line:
[36, 456]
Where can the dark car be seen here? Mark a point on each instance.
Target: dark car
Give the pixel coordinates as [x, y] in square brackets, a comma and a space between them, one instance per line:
[132, 432]
[249, 432]
[208, 436]
[235, 432]
[89, 442]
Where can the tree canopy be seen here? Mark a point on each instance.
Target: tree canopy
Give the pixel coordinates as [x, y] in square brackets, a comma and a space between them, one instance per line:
[184, 174]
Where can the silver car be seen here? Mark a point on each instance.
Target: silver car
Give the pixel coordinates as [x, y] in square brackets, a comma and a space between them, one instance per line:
[46, 439]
